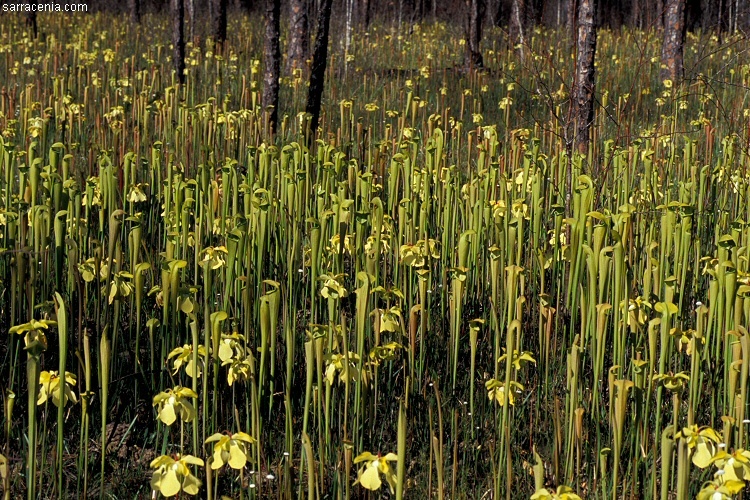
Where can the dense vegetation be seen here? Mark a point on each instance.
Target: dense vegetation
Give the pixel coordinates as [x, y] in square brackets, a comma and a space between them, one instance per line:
[435, 295]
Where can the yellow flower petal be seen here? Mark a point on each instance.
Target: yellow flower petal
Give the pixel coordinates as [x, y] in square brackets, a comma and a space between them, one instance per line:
[370, 479]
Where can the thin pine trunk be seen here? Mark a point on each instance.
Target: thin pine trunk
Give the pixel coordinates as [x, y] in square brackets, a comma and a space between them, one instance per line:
[31, 22]
[272, 51]
[219, 28]
[583, 89]
[366, 13]
[674, 40]
[320, 60]
[178, 38]
[571, 21]
[298, 35]
[517, 14]
[348, 29]
[474, 34]
[135, 11]
[191, 15]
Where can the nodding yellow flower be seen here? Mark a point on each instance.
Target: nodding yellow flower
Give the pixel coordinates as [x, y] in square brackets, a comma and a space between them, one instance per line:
[673, 382]
[667, 83]
[371, 106]
[174, 402]
[701, 443]
[213, 257]
[239, 369]
[172, 476]
[35, 339]
[720, 490]
[505, 103]
[51, 386]
[338, 363]
[336, 241]
[35, 126]
[136, 194]
[390, 319]
[184, 355]
[333, 288]
[383, 353]
[120, 286]
[562, 493]
[375, 465]
[518, 360]
[735, 465]
[496, 390]
[229, 449]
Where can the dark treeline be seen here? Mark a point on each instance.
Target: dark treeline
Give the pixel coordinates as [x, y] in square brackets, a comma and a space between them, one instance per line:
[721, 15]
[581, 18]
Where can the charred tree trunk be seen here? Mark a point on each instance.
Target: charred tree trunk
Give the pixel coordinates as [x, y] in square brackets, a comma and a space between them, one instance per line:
[219, 21]
[366, 13]
[298, 35]
[659, 20]
[272, 54]
[571, 21]
[674, 39]
[320, 59]
[517, 15]
[178, 38]
[583, 88]
[474, 34]
[31, 19]
[191, 14]
[135, 11]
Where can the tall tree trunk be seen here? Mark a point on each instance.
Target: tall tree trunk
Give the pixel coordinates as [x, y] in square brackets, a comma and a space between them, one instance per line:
[348, 28]
[320, 59]
[191, 15]
[219, 21]
[517, 15]
[31, 19]
[583, 88]
[272, 55]
[538, 11]
[571, 20]
[135, 11]
[659, 14]
[178, 38]
[366, 14]
[474, 34]
[298, 35]
[674, 39]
